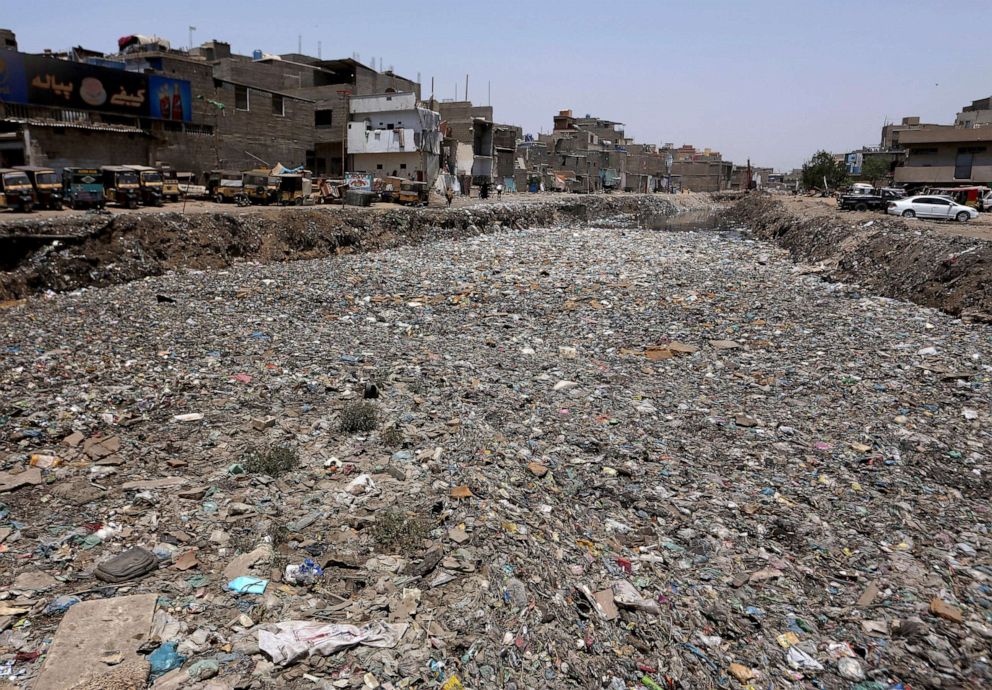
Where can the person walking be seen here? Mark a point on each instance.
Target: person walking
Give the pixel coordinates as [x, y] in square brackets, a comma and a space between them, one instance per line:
[499, 191]
[449, 194]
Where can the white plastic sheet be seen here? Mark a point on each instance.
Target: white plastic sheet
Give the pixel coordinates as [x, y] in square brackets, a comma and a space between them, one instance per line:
[287, 641]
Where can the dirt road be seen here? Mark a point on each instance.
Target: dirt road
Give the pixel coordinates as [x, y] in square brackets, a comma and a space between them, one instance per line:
[979, 228]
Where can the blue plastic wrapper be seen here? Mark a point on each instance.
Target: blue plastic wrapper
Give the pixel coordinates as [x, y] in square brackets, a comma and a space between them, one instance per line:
[248, 585]
[164, 659]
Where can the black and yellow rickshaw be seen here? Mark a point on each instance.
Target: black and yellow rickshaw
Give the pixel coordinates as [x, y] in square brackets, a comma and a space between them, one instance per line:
[120, 185]
[47, 186]
[149, 184]
[16, 191]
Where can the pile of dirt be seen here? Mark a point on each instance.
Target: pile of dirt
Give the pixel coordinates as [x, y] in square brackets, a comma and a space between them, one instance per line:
[99, 249]
[886, 255]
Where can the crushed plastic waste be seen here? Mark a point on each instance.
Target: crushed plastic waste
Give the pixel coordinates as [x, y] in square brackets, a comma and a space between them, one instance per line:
[605, 455]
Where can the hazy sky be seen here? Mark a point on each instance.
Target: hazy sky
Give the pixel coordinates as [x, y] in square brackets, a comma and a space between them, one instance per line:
[773, 81]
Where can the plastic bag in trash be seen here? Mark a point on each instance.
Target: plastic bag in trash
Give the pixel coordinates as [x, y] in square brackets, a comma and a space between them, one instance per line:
[287, 641]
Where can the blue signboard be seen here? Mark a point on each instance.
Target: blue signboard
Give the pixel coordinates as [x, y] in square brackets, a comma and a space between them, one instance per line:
[171, 99]
[13, 85]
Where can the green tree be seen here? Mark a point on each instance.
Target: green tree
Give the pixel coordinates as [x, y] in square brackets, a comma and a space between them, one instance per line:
[875, 168]
[822, 165]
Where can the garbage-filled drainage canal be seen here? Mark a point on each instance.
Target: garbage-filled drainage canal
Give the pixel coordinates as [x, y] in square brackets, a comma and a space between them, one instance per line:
[584, 453]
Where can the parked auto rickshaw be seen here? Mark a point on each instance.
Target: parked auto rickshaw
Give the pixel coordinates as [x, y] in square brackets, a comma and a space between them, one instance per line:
[226, 185]
[47, 187]
[149, 184]
[294, 189]
[82, 188]
[413, 193]
[120, 185]
[966, 196]
[261, 187]
[16, 191]
[170, 184]
[390, 190]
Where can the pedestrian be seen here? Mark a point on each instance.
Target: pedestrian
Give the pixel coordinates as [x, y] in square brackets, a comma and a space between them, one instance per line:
[499, 191]
[484, 191]
[449, 194]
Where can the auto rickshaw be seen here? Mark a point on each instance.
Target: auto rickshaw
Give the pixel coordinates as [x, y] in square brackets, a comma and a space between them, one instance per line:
[170, 184]
[16, 191]
[261, 187]
[226, 185]
[413, 193]
[294, 189]
[47, 187]
[149, 184]
[82, 188]
[120, 185]
[390, 190]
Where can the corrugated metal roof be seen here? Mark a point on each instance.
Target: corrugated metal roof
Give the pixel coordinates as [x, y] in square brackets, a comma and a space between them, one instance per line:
[97, 126]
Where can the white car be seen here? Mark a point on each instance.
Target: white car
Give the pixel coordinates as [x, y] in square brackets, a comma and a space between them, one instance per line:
[932, 206]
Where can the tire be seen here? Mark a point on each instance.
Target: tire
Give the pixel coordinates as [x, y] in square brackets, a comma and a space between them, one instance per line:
[963, 217]
[909, 213]
[861, 206]
[218, 198]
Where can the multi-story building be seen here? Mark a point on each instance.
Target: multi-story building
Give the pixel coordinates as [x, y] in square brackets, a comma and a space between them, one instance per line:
[476, 148]
[946, 156]
[978, 114]
[391, 134]
[193, 110]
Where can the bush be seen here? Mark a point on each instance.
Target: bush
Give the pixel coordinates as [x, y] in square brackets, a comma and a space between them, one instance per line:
[359, 416]
[273, 461]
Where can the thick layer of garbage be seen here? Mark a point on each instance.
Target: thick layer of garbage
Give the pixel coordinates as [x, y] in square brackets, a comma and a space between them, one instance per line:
[906, 259]
[100, 249]
[564, 457]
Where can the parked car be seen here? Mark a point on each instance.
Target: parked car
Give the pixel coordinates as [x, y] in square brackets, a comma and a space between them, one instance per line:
[939, 207]
[861, 199]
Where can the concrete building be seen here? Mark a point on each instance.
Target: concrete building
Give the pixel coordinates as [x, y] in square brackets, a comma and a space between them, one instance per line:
[391, 134]
[946, 156]
[892, 132]
[978, 114]
[703, 176]
[221, 110]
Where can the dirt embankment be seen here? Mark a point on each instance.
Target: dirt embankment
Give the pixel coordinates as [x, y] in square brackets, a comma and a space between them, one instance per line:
[100, 250]
[889, 256]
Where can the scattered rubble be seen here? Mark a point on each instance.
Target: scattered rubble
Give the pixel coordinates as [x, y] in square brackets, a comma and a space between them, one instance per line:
[794, 495]
[888, 256]
[102, 249]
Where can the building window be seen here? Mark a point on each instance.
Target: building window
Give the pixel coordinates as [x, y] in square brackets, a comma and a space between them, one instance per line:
[389, 126]
[402, 166]
[240, 97]
[379, 166]
[278, 105]
[962, 165]
[322, 118]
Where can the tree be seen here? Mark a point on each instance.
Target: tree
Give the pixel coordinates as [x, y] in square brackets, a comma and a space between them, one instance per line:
[875, 168]
[822, 165]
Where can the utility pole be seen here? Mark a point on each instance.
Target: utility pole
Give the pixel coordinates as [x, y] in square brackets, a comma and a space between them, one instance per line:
[466, 87]
[345, 93]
